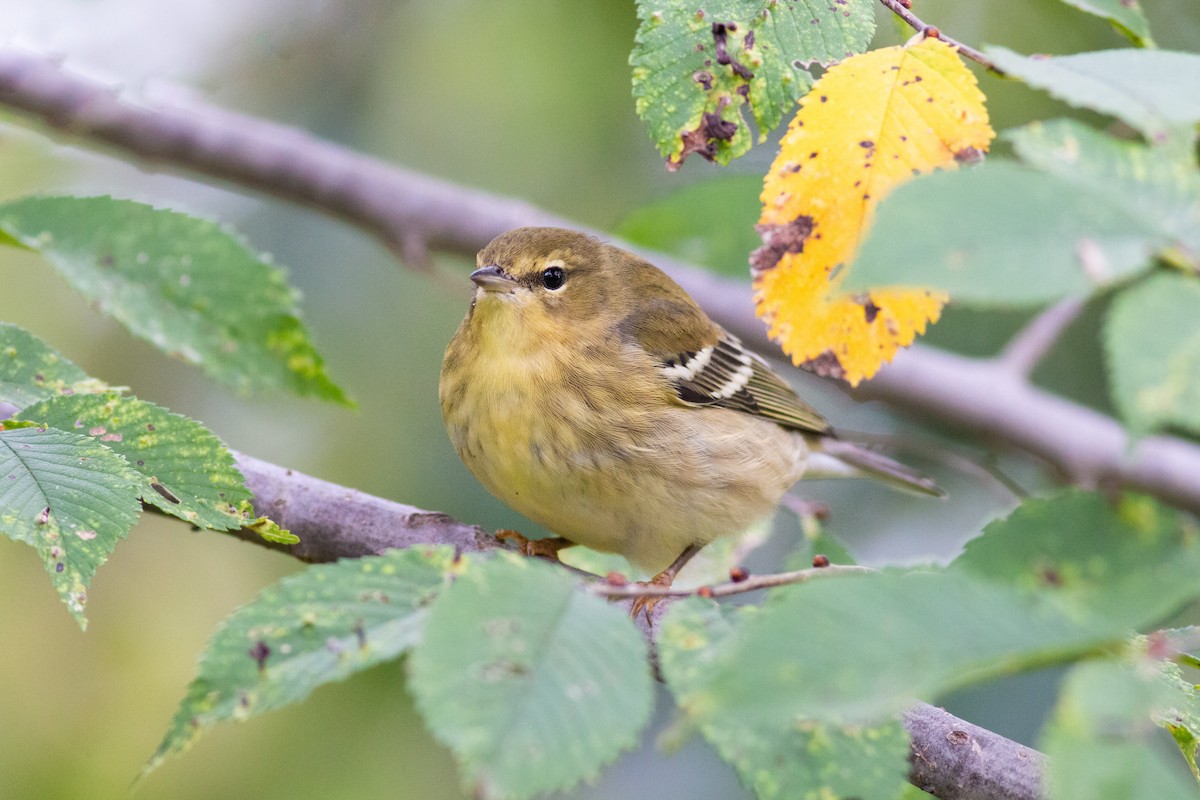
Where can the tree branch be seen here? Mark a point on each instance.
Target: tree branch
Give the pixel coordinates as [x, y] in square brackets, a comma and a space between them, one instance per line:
[951, 758]
[408, 212]
[1030, 344]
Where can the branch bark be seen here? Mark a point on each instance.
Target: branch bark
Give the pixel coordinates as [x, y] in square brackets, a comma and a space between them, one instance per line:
[410, 212]
[950, 758]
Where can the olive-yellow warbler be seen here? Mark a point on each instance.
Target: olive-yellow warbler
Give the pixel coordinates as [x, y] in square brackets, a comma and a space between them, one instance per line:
[589, 392]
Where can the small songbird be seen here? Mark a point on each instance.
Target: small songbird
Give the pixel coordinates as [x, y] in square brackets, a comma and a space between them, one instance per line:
[589, 392]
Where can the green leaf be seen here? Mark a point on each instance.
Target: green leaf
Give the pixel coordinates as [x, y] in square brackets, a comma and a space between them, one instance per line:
[1152, 342]
[852, 649]
[1130, 561]
[31, 370]
[187, 471]
[1163, 193]
[694, 103]
[533, 683]
[807, 758]
[709, 223]
[1179, 711]
[1125, 15]
[187, 285]
[1102, 738]
[1002, 235]
[312, 628]
[71, 499]
[1154, 91]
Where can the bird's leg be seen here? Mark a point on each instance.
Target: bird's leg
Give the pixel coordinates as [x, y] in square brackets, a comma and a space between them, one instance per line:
[546, 548]
[645, 604]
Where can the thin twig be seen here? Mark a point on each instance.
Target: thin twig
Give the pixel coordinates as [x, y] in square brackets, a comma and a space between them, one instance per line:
[903, 11]
[750, 584]
[1030, 344]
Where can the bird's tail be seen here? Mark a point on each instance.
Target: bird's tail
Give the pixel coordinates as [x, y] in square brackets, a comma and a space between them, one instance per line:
[835, 458]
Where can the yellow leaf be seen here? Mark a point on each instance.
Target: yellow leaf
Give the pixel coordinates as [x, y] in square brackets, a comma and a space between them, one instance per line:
[870, 123]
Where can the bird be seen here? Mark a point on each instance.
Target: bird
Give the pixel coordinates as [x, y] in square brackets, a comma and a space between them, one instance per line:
[589, 392]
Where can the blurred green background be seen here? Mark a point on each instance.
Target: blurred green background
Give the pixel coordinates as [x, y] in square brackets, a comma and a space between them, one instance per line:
[528, 98]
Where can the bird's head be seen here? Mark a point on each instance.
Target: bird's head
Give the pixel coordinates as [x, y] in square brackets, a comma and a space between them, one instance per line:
[533, 272]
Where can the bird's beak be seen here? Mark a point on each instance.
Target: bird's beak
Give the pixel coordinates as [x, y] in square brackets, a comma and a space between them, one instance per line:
[493, 279]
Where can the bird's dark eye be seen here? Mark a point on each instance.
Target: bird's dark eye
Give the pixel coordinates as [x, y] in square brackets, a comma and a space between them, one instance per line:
[553, 278]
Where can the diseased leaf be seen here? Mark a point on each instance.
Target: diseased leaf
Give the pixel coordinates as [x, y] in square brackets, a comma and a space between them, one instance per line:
[1036, 238]
[1152, 343]
[1101, 740]
[806, 758]
[1125, 15]
[312, 628]
[697, 69]
[31, 370]
[1162, 192]
[71, 499]
[1154, 91]
[532, 683]
[186, 471]
[187, 285]
[870, 123]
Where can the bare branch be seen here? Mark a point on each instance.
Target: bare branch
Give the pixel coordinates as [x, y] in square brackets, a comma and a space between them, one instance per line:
[953, 758]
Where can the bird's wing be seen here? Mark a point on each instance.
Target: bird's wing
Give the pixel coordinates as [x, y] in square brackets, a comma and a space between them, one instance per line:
[715, 369]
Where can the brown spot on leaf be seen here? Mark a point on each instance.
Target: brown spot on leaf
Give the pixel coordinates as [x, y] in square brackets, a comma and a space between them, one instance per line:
[969, 155]
[703, 139]
[720, 34]
[779, 240]
[826, 365]
[870, 310]
[260, 652]
[704, 78]
[717, 128]
[1050, 576]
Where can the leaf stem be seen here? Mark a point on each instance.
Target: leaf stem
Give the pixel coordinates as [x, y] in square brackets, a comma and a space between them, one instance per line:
[902, 9]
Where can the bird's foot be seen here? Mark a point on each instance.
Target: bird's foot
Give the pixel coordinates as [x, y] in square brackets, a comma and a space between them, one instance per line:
[544, 548]
[644, 604]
